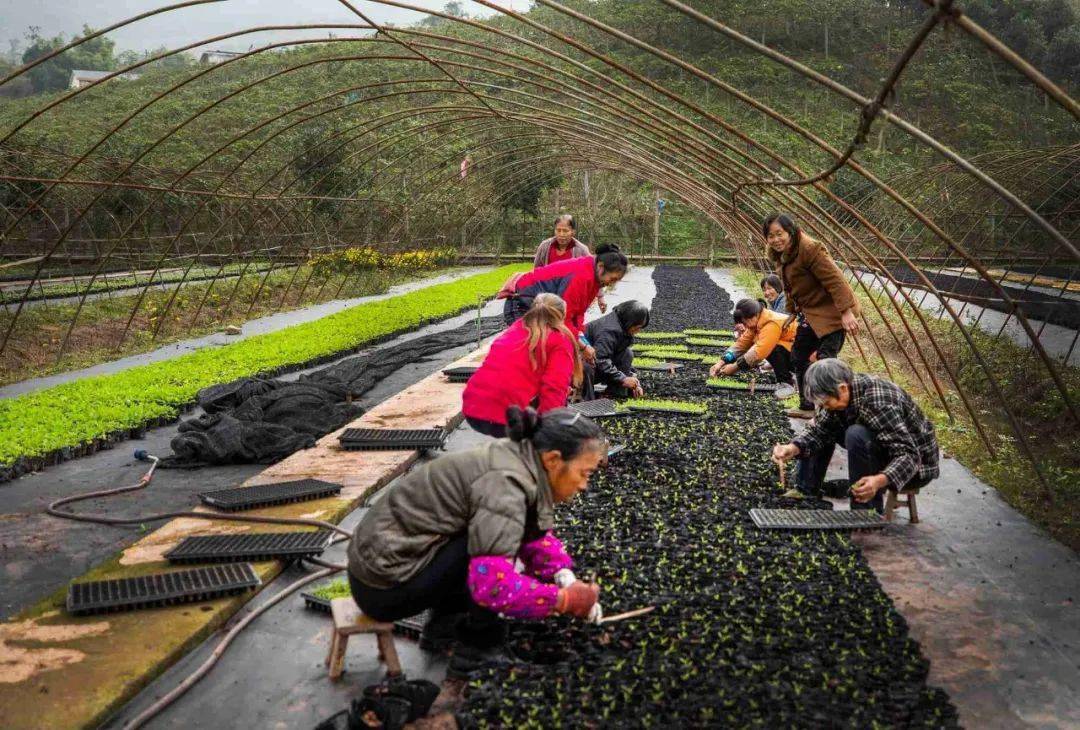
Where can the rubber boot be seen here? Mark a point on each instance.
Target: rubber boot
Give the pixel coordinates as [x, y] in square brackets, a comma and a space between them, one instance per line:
[481, 645]
[440, 632]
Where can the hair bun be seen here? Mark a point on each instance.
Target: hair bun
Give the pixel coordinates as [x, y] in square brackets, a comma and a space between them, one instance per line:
[607, 248]
[521, 424]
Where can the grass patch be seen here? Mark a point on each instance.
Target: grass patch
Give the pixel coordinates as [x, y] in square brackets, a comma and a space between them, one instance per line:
[67, 415]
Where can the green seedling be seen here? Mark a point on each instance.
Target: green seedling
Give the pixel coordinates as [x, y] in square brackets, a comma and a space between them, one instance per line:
[660, 336]
[709, 333]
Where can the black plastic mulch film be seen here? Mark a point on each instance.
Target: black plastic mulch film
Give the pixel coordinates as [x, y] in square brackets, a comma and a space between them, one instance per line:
[816, 519]
[161, 589]
[391, 439]
[253, 546]
[264, 495]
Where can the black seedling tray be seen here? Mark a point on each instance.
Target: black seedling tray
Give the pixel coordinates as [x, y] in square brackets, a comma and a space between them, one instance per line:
[599, 408]
[161, 589]
[253, 546]
[460, 374]
[669, 411]
[662, 367]
[816, 519]
[265, 495]
[316, 603]
[758, 387]
[392, 439]
[412, 626]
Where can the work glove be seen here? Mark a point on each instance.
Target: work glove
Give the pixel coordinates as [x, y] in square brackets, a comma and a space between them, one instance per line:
[565, 577]
[729, 357]
[596, 614]
[578, 599]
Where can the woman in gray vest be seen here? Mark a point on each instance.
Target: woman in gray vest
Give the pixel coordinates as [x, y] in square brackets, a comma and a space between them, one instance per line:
[445, 537]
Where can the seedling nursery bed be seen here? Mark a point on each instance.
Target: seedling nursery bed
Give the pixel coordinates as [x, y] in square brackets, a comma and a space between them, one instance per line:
[752, 628]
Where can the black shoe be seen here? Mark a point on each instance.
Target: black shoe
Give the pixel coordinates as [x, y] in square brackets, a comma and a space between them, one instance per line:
[440, 633]
[389, 713]
[419, 693]
[467, 660]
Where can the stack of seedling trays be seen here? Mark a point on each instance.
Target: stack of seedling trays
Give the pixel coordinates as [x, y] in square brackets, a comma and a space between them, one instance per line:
[392, 439]
[460, 374]
[599, 408]
[161, 589]
[816, 519]
[250, 546]
[266, 495]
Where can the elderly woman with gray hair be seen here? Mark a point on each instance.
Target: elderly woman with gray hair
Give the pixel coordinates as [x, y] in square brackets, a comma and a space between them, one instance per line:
[890, 443]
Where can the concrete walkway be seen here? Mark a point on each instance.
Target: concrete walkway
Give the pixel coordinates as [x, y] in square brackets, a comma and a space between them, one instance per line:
[270, 323]
[992, 598]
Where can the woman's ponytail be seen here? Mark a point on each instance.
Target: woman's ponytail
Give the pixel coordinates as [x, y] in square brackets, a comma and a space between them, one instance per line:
[562, 429]
[747, 308]
[613, 259]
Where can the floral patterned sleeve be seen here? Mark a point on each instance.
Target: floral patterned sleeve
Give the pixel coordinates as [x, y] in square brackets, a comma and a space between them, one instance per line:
[495, 585]
[545, 557]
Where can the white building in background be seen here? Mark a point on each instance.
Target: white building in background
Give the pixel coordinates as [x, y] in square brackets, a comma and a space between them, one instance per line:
[80, 77]
[212, 57]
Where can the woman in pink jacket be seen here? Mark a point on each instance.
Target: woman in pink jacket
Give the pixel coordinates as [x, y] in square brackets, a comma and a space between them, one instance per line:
[534, 360]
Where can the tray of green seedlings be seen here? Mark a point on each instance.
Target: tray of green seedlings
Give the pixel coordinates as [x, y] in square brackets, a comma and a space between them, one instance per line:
[660, 336]
[662, 346]
[676, 407]
[709, 342]
[724, 383]
[681, 355]
[319, 598]
[654, 365]
[709, 333]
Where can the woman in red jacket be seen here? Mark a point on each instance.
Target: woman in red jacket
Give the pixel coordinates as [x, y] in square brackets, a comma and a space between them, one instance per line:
[577, 281]
[536, 358]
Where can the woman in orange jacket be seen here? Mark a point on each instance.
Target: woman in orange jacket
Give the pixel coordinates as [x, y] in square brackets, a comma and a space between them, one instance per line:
[764, 338]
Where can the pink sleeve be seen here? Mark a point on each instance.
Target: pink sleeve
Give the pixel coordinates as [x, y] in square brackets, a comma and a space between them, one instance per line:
[495, 585]
[545, 557]
[558, 373]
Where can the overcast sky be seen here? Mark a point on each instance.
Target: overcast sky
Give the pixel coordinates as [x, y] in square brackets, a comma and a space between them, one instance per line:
[180, 27]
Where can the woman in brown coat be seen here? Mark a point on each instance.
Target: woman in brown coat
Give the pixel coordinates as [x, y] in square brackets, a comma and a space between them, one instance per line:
[817, 293]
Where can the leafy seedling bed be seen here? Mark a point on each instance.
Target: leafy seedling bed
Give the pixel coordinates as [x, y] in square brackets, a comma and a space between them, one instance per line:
[319, 598]
[752, 628]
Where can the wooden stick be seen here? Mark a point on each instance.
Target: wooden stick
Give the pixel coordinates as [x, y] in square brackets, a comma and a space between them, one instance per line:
[783, 477]
[628, 614]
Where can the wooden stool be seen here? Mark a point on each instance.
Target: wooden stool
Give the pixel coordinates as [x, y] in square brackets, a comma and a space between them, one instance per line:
[349, 620]
[893, 501]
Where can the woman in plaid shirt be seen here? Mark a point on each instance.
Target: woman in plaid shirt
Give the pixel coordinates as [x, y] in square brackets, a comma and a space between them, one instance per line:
[890, 443]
